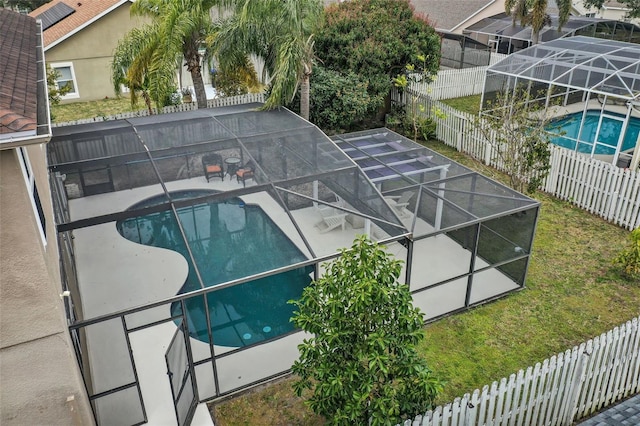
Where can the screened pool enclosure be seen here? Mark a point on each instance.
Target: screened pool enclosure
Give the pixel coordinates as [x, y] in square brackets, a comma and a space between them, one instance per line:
[503, 36]
[184, 235]
[592, 87]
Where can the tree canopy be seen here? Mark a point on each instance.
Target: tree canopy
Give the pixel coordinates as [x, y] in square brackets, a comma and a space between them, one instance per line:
[362, 362]
[23, 4]
[376, 39]
[339, 101]
[281, 33]
[131, 65]
[177, 31]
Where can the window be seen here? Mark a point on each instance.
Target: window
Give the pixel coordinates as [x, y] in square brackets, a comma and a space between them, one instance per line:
[32, 189]
[66, 79]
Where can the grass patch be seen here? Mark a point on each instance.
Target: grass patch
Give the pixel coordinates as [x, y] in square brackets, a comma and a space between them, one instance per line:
[63, 113]
[274, 404]
[470, 104]
[571, 295]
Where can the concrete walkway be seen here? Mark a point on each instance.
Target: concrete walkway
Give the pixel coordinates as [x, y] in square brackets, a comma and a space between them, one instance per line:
[626, 413]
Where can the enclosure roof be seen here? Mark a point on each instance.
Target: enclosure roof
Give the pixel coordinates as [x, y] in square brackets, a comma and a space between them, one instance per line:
[399, 166]
[285, 152]
[596, 65]
[151, 176]
[463, 40]
[503, 25]
[288, 153]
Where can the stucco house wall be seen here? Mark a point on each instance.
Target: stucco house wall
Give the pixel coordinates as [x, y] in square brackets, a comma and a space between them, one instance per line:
[39, 379]
[90, 50]
[610, 10]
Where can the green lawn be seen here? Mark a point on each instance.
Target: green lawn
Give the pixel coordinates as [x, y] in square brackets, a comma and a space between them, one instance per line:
[102, 108]
[571, 295]
[470, 104]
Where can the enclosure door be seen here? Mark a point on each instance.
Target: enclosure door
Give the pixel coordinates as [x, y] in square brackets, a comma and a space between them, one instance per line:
[180, 372]
[609, 135]
[96, 181]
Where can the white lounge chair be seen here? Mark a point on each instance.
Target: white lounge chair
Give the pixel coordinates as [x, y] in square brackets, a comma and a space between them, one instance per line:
[400, 203]
[331, 219]
[339, 202]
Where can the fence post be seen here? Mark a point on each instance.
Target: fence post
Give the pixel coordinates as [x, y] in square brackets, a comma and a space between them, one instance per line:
[576, 386]
[613, 204]
[460, 134]
[487, 154]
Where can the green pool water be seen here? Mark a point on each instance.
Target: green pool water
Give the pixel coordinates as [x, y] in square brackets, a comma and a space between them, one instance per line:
[229, 240]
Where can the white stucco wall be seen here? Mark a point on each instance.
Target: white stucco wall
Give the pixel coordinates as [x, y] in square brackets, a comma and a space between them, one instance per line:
[40, 383]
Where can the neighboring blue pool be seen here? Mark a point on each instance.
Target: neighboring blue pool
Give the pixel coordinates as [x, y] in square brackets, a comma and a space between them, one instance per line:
[229, 240]
[609, 132]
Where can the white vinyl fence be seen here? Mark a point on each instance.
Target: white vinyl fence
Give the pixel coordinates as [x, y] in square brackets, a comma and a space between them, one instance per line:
[564, 388]
[211, 103]
[593, 185]
[457, 83]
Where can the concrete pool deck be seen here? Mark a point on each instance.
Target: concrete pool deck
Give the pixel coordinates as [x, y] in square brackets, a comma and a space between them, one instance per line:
[116, 274]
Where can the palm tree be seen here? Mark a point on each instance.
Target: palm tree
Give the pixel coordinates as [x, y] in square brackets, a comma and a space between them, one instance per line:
[280, 32]
[534, 13]
[131, 61]
[177, 30]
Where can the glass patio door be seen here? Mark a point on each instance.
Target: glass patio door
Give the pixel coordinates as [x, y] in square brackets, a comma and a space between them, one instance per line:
[180, 372]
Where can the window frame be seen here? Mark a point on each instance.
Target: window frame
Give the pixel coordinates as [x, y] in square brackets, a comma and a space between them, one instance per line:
[34, 194]
[76, 93]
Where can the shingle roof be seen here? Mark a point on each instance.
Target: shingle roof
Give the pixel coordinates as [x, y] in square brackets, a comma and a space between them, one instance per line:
[18, 72]
[613, 3]
[446, 15]
[85, 12]
[626, 413]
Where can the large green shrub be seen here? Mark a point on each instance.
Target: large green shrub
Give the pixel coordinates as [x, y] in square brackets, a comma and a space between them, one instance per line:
[629, 259]
[361, 361]
[376, 39]
[338, 101]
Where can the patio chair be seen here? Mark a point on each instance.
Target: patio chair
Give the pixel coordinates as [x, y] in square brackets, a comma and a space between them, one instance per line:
[400, 203]
[212, 165]
[339, 202]
[245, 172]
[331, 219]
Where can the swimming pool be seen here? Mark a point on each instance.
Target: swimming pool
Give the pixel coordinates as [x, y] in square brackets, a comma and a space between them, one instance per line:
[229, 240]
[607, 138]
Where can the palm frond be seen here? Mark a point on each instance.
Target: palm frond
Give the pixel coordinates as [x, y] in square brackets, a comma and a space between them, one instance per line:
[131, 61]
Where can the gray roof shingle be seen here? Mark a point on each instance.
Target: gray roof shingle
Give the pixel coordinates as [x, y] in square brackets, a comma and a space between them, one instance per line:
[18, 72]
[447, 14]
[626, 413]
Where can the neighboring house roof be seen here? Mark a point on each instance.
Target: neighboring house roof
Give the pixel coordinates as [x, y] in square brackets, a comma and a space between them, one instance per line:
[447, 15]
[18, 74]
[614, 4]
[451, 14]
[85, 12]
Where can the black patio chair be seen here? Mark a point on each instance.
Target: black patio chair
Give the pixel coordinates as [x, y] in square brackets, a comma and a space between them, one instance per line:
[212, 166]
[245, 172]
